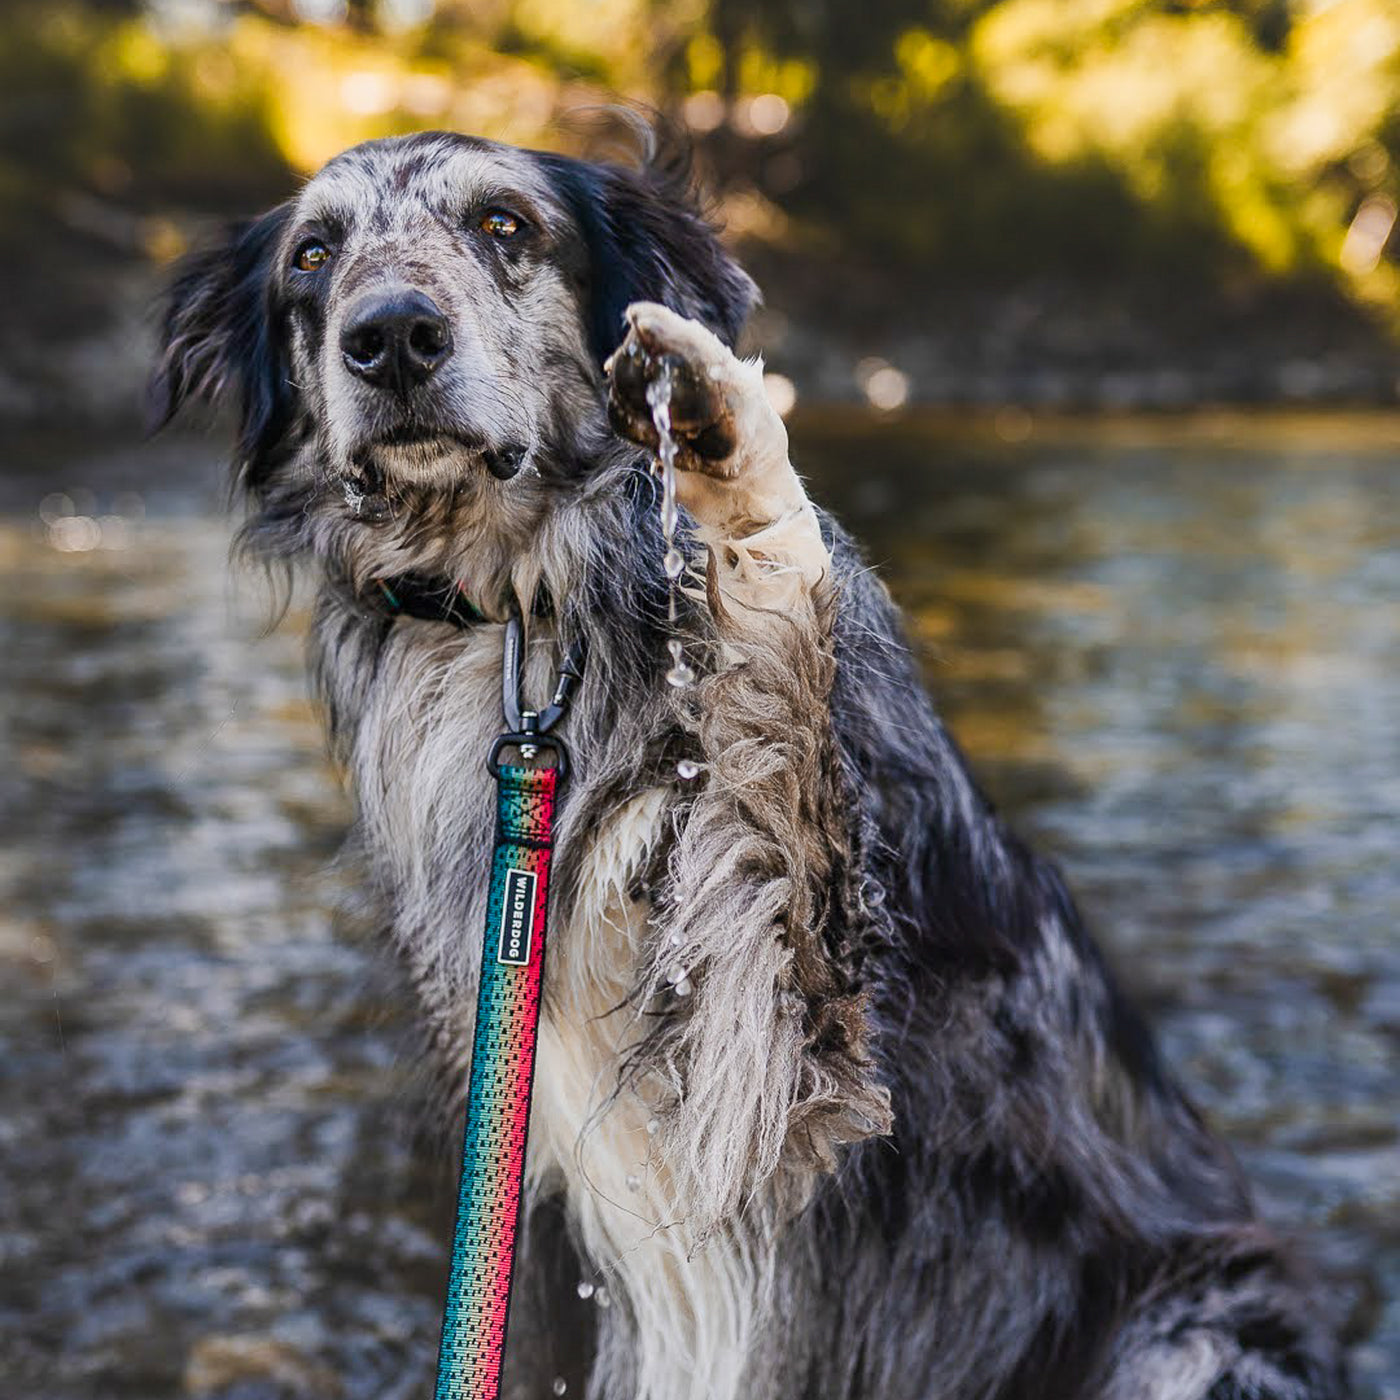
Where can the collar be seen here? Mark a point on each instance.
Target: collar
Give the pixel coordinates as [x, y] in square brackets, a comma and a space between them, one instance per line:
[432, 599]
[437, 599]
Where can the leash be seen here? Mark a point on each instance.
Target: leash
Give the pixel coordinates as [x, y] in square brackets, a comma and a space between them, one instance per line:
[507, 1021]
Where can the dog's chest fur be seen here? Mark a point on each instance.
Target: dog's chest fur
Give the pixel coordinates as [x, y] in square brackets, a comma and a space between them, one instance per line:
[421, 731]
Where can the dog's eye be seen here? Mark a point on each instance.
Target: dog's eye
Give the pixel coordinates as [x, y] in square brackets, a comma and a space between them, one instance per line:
[312, 256]
[499, 224]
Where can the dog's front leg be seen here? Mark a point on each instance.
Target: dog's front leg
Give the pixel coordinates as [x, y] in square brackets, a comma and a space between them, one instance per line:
[736, 481]
[762, 907]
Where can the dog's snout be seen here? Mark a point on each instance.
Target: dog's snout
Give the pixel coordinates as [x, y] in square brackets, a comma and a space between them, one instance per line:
[395, 340]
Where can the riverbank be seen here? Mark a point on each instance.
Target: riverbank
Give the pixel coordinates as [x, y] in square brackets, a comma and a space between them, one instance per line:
[80, 334]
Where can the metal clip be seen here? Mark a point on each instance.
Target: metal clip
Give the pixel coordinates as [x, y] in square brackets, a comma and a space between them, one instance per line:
[527, 729]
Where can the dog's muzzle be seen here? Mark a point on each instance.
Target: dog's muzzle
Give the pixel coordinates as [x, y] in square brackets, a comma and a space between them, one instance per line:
[396, 340]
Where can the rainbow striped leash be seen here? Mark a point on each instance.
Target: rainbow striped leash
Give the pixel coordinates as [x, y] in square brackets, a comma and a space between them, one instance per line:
[503, 1051]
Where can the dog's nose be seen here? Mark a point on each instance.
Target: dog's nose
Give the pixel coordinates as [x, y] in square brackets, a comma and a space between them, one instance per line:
[395, 339]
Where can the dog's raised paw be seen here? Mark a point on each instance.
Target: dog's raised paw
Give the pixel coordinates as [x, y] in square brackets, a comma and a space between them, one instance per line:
[708, 386]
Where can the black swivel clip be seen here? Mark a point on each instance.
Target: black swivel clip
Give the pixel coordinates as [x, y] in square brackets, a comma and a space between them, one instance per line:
[530, 730]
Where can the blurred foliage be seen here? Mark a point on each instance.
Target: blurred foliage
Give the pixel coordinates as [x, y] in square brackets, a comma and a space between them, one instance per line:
[1207, 139]
[96, 102]
[1216, 141]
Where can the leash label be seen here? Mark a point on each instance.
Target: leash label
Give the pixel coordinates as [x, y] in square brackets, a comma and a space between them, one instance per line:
[517, 918]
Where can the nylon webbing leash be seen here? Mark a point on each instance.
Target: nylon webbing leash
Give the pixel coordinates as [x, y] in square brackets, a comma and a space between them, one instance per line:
[503, 1048]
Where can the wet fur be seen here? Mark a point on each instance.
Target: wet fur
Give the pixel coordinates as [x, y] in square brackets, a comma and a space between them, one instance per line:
[905, 1139]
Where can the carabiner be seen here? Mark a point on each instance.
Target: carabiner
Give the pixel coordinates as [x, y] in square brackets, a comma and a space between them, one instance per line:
[529, 730]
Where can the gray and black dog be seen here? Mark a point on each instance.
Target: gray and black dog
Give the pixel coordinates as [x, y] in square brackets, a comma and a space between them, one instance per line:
[836, 1097]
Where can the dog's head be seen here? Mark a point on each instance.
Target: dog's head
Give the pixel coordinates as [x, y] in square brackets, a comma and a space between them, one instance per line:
[435, 307]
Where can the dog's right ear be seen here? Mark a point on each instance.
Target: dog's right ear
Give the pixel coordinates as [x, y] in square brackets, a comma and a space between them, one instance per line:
[218, 338]
[648, 240]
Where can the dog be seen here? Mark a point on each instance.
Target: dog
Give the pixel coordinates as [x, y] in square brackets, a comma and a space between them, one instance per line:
[836, 1098]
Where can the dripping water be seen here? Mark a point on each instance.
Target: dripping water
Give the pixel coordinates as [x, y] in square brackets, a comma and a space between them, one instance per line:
[679, 673]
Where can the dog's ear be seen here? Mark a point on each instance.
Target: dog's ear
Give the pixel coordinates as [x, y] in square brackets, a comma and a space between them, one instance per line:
[218, 340]
[647, 240]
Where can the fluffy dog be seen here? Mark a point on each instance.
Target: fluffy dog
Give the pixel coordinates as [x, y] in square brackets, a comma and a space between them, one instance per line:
[835, 1096]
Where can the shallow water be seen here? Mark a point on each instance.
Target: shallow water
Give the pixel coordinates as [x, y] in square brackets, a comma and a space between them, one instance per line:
[1176, 664]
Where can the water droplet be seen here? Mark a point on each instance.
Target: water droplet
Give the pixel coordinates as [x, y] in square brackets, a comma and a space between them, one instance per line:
[677, 974]
[680, 674]
[673, 563]
[683, 988]
[634, 1182]
[585, 1289]
[687, 768]
[653, 1127]
[604, 1298]
[560, 1385]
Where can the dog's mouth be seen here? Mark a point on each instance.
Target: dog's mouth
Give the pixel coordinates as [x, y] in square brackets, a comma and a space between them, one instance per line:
[424, 436]
[431, 455]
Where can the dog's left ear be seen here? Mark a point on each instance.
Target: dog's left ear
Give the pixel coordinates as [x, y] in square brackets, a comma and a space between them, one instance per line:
[217, 337]
[647, 240]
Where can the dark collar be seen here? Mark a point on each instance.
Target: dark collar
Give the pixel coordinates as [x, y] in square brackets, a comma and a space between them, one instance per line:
[432, 599]
[436, 599]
